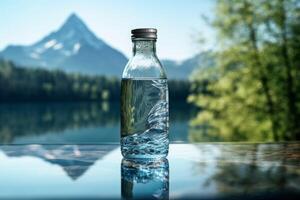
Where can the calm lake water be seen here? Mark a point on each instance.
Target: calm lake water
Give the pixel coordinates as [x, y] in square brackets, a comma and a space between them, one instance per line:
[75, 123]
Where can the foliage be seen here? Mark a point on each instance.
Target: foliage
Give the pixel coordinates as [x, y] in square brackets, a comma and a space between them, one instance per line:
[251, 92]
[21, 84]
[36, 84]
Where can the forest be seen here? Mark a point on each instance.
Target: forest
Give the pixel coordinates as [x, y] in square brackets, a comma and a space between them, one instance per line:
[251, 92]
[36, 84]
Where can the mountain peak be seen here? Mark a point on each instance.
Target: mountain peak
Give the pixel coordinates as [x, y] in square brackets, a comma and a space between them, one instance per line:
[73, 47]
[74, 22]
[73, 34]
[73, 16]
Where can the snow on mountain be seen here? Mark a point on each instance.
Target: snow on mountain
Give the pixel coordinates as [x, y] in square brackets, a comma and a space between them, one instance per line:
[74, 48]
[69, 49]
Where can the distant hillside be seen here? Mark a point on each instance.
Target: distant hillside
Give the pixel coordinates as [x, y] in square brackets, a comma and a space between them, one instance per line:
[75, 48]
[182, 70]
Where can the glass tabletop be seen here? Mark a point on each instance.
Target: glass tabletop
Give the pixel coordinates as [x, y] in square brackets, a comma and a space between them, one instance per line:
[203, 170]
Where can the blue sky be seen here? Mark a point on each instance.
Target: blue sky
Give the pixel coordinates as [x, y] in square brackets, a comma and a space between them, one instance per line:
[178, 22]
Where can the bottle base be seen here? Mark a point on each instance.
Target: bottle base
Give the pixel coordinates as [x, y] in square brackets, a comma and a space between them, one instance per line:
[147, 145]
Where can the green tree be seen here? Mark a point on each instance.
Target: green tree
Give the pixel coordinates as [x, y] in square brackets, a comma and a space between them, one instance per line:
[251, 92]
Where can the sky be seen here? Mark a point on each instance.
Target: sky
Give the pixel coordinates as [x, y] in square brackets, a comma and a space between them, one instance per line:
[179, 22]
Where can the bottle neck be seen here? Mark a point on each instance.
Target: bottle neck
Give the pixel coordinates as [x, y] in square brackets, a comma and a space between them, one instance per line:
[144, 47]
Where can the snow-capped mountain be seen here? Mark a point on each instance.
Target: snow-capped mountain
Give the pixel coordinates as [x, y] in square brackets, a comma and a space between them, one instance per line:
[72, 48]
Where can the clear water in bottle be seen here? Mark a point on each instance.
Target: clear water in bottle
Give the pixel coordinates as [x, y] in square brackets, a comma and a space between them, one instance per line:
[144, 118]
[144, 100]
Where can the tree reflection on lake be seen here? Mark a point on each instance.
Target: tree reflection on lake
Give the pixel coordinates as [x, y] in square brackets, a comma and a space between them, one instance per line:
[73, 123]
[21, 121]
[94, 123]
[247, 169]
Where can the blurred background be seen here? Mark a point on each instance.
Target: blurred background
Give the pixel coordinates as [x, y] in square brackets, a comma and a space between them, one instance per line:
[233, 68]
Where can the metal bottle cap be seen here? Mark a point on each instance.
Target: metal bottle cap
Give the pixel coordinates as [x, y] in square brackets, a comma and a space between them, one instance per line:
[148, 33]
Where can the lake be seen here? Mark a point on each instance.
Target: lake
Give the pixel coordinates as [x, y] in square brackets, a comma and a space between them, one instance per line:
[76, 123]
[70, 151]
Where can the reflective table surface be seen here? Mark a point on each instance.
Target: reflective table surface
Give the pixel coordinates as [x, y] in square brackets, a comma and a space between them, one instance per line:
[199, 171]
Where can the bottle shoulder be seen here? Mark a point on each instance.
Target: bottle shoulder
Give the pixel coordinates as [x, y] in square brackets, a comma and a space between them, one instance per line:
[141, 66]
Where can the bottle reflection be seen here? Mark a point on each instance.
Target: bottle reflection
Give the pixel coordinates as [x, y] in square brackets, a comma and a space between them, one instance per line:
[145, 179]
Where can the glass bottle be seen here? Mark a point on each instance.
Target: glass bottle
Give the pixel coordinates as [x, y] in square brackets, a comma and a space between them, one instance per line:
[144, 100]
